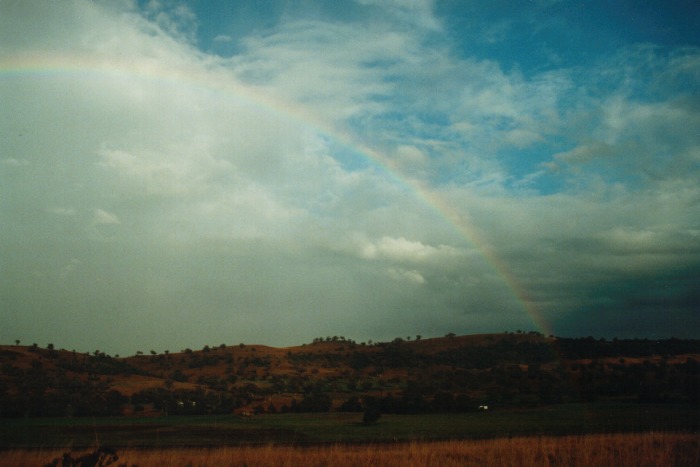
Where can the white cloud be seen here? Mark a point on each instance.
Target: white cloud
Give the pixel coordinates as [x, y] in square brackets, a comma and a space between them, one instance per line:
[357, 80]
[411, 276]
[176, 19]
[403, 250]
[69, 268]
[411, 155]
[104, 225]
[62, 211]
[12, 162]
[585, 153]
[412, 12]
[324, 66]
[522, 138]
[651, 241]
[178, 172]
[223, 38]
[103, 217]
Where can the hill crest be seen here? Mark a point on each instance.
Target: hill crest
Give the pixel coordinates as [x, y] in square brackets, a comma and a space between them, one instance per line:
[432, 374]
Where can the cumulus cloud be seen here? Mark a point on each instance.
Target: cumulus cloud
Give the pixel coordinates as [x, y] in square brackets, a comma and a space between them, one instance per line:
[412, 275]
[403, 250]
[104, 218]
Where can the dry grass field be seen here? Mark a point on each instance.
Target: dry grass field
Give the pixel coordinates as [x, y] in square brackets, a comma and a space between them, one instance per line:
[648, 449]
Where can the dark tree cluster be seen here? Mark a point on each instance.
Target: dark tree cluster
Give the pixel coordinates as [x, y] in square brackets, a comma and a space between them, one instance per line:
[44, 395]
[182, 402]
[589, 347]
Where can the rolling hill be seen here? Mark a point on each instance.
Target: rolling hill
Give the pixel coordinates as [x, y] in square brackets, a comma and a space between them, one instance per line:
[446, 374]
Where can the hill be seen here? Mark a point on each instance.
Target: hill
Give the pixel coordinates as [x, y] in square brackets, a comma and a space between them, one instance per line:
[447, 374]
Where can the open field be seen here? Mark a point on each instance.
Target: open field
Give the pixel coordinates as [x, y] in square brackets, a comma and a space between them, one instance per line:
[647, 449]
[330, 428]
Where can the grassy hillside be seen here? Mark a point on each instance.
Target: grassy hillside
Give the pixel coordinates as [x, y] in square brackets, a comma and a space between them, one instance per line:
[447, 374]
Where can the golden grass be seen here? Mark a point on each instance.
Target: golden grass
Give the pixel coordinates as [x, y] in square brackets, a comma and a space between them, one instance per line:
[650, 449]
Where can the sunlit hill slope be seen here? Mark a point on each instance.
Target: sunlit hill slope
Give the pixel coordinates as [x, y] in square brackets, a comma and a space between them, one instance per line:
[412, 375]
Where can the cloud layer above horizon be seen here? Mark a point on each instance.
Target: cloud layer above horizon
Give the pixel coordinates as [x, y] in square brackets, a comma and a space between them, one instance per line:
[174, 175]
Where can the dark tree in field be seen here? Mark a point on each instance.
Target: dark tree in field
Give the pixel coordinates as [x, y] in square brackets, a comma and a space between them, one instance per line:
[371, 415]
[315, 402]
[372, 410]
[351, 405]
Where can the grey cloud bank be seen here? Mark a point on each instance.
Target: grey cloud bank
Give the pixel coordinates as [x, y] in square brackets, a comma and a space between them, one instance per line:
[155, 194]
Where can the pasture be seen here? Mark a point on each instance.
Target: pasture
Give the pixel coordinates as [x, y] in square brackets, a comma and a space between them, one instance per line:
[345, 428]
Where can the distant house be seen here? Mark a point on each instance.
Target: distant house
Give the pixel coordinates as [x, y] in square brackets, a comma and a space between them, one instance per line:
[245, 412]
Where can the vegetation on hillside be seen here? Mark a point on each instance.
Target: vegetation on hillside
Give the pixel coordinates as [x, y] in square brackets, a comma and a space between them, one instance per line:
[449, 374]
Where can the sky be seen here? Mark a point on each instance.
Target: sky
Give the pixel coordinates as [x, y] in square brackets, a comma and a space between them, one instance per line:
[181, 174]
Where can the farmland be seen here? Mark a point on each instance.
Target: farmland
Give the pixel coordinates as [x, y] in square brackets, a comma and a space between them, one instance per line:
[347, 428]
[500, 399]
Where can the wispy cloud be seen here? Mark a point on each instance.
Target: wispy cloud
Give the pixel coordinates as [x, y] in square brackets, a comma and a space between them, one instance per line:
[12, 162]
[223, 38]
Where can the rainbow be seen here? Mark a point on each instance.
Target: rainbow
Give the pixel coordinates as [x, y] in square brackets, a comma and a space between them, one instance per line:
[214, 78]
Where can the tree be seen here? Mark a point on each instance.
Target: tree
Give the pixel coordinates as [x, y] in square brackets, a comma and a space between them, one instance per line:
[16, 341]
[351, 405]
[315, 402]
[372, 411]
[371, 415]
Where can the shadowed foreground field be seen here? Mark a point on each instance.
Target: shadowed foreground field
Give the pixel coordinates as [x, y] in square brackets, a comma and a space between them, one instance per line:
[645, 449]
[343, 428]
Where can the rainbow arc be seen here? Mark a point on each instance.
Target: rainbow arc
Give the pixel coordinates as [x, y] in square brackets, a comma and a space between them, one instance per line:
[213, 77]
